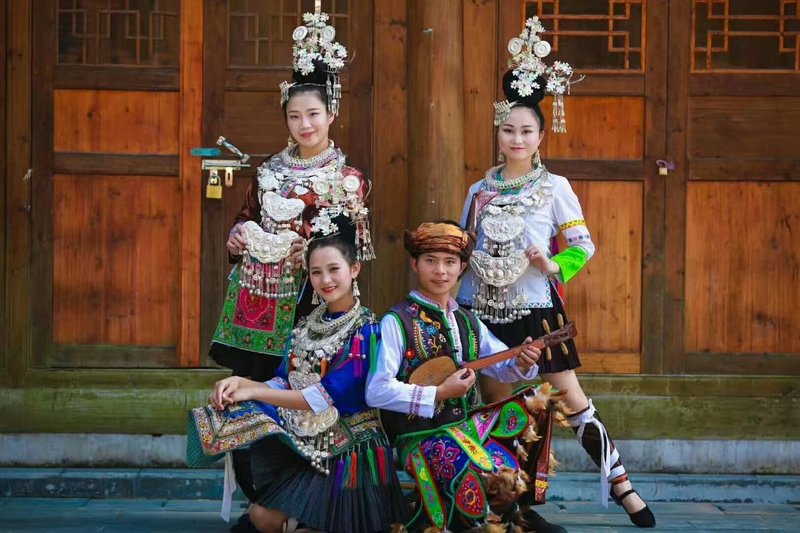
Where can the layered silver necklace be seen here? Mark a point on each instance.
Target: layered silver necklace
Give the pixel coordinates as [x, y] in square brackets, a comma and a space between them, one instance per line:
[317, 339]
[502, 259]
[320, 338]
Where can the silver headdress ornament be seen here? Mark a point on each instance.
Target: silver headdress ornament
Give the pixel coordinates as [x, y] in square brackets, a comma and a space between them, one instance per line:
[527, 54]
[313, 43]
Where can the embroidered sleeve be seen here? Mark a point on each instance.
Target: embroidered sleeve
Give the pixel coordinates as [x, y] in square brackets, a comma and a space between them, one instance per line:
[384, 390]
[251, 210]
[317, 397]
[277, 383]
[569, 217]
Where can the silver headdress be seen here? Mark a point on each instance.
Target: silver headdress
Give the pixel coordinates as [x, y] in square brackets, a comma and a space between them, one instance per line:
[315, 50]
[532, 77]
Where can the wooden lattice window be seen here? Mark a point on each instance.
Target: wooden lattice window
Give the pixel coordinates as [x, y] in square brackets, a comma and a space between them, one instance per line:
[118, 32]
[260, 31]
[593, 35]
[743, 35]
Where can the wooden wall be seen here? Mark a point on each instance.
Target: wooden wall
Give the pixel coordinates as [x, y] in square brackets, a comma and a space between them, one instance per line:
[694, 272]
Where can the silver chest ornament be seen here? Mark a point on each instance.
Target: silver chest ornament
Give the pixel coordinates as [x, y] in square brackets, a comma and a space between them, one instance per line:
[503, 260]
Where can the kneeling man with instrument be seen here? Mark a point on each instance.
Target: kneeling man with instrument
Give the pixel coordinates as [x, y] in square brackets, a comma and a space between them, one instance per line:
[476, 466]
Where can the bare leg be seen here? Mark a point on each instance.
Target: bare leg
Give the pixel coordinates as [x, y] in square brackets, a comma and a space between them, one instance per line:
[577, 402]
[267, 520]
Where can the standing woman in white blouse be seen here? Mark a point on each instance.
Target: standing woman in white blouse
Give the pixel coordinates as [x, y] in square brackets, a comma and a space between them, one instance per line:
[516, 210]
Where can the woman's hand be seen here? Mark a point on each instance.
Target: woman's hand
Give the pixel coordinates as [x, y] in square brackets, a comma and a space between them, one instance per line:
[236, 244]
[229, 391]
[296, 253]
[456, 385]
[529, 356]
[540, 260]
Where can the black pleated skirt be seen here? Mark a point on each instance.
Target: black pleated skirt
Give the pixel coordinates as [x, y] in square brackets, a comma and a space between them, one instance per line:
[514, 334]
[286, 482]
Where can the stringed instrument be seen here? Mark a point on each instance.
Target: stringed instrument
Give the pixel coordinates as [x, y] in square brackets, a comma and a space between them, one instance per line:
[435, 371]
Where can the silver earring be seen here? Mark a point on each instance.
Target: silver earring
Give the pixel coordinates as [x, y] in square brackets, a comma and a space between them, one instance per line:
[314, 298]
[501, 157]
[356, 291]
[536, 160]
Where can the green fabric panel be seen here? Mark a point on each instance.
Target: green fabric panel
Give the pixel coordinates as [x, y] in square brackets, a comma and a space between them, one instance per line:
[570, 261]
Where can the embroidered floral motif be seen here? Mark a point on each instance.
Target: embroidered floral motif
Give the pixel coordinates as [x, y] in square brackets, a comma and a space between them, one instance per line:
[441, 457]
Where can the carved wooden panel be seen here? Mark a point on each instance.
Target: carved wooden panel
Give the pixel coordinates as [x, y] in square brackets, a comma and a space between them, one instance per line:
[134, 122]
[743, 35]
[605, 298]
[118, 32]
[598, 127]
[742, 268]
[115, 260]
[260, 32]
[592, 34]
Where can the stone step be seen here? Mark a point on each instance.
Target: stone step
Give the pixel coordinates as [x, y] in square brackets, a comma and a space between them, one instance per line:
[206, 484]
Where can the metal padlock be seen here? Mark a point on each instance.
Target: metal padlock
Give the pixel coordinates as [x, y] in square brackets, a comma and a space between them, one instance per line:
[213, 189]
[229, 176]
[665, 166]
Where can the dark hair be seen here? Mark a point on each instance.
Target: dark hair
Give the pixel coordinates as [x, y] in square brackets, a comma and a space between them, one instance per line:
[310, 83]
[346, 246]
[318, 90]
[537, 112]
[343, 240]
[530, 101]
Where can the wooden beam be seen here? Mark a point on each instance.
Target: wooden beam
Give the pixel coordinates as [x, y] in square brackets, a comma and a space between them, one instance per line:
[389, 154]
[41, 196]
[3, 181]
[480, 65]
[655, 147]
[81, 163]
[436, 110]
[116, 77]
[191, 96]
[215, 227]
[17, 191]
[675, 203]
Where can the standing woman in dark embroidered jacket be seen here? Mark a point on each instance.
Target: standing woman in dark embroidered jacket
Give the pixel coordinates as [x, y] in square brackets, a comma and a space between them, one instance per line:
[516, 210]
[294, 192]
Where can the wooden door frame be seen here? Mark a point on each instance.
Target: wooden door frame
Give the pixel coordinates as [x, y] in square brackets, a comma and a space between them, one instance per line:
[3, 171]
[17, 192]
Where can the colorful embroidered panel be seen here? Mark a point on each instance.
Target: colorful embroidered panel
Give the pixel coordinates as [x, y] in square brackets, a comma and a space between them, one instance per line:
[470, 497]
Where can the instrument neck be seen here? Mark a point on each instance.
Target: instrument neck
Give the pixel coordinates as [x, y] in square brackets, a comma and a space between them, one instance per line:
[499, 357]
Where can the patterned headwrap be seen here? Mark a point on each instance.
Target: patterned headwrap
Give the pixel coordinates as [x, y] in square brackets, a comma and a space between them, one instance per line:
[440, 237]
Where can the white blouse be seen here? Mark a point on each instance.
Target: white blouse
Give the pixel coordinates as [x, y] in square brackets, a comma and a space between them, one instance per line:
[563, 212]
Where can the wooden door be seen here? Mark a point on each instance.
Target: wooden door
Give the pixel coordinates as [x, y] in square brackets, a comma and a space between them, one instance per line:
[733, 245]
[248, 53]
[115, 207]
[616, 131]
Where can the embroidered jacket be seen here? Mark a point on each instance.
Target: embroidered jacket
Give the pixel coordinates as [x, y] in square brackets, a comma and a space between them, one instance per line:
[412, 332]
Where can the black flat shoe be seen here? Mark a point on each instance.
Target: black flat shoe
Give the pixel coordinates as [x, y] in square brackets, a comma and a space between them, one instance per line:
[533, 521]
[643, 517]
